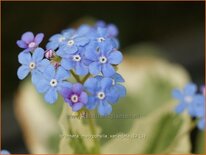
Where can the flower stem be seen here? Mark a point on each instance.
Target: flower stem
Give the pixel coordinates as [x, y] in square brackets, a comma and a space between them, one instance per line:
[76, 76]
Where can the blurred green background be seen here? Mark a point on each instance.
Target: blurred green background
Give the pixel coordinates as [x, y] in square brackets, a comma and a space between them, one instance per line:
[177, 28]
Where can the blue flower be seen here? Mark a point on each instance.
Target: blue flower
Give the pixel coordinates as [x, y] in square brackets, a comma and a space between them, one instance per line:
[102, 58]
[199, 108]
[74, 61]
[186, 99]
[34, 64]
[4, 152]
[118, 88]
[101, 95]
[112, 30]
[29, 42]
[52, 82]
[73, 41]
[75, 96]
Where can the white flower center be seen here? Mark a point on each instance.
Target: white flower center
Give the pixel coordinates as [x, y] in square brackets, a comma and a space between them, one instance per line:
[101, 95]
[32, 65]
[70, 42]
[61, 39]
[100, 39]
[188, 99]
[53, 82]
[76, 57]
[32, 44]
[103, 59]
[74, 98]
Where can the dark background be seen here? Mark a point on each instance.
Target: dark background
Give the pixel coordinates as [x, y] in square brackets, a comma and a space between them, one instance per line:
[177, 27]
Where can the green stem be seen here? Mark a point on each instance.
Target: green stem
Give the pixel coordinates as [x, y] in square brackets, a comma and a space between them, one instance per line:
[92, 125]
[85, 78]
[76, 76]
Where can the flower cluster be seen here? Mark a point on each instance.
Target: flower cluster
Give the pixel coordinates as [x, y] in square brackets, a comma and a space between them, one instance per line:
[191, 101]
[89, 53]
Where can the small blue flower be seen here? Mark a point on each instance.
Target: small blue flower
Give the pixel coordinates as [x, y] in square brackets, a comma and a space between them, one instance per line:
[199, 107]
[102, 58]
[74, 61]
[118, 88]
[53, 81]
[73, 41]
[34, 64]
[101, 95]
[4, 152]
[29, 42]
[186, 99]
[112, 30]
[75, 96]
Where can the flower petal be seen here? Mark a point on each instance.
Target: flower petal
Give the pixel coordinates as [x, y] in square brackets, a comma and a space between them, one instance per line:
[52, 45]
[27, 37]
[104, 108]
[49, 72]
[121, 90]
[190, 89]
[62, 74]
[112, 96]
[91, 52]
[21, 44]
[92, 103]
[24, 58]
[118, 78]
[81, 41]
[42, 86]
[180, 107]
[91, 85]
[81, 69]
[108, 70]
[95, 68]
[106, 83]
[23, 71]
[39, 37]
[201, 124]
[36, 75]
[177, 94]
[77, 106]
[38, 54]
[83, 98]
[77, 88]
[43, 65]
[115, 57]
[51, 95]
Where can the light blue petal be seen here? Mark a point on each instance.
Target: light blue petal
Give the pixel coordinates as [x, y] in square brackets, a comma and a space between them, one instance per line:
[95, 68]
[81, 41]
[118, 78]
[81, 69]
[83, 98]
[180, 107]
[4, 152]
[91, 85]
[101, 31]
[177, 94]
[92, 103]
[22, 72]
[68, 64]
[104, 108]
[24, 58]
[43, 65]
[51, 95]
[77, 106]
[36, 76]
[55, 37]
[106, 83]
[49, 72]
[52, 45]
[38, 54]
[108, 70]
[42, 85]
[190, 89]
[91, 53]
[115, 57]
[201, 124]
[112, 96]
[62, 74]
[121, 90]
[61, 52]
[70, 49]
